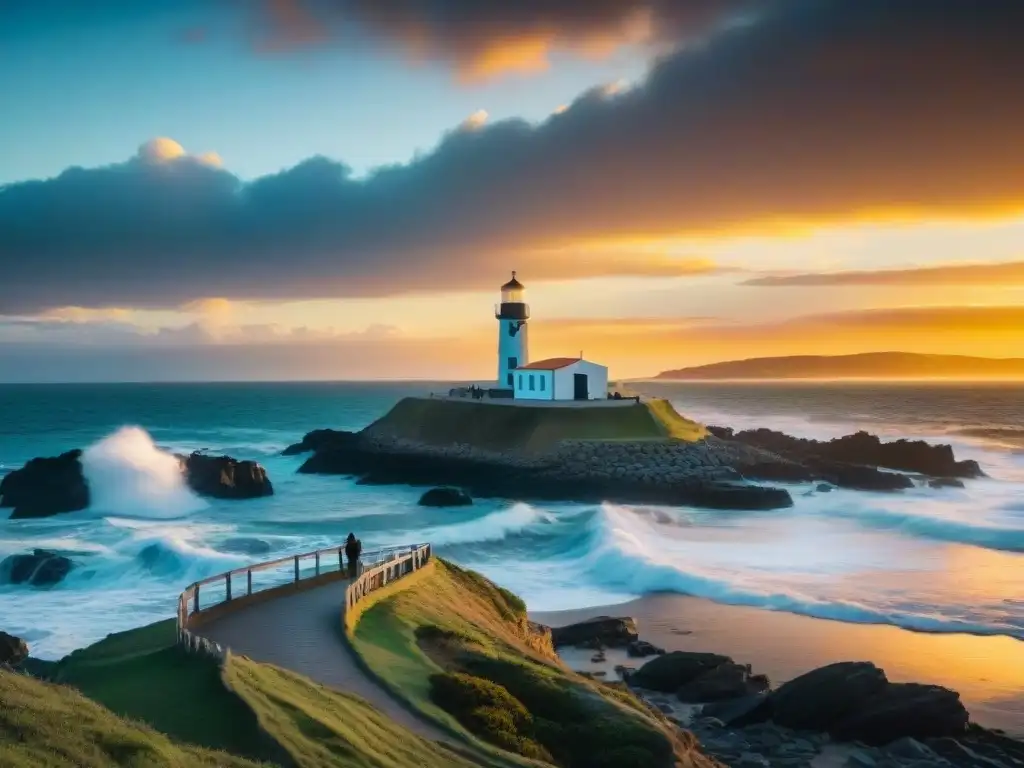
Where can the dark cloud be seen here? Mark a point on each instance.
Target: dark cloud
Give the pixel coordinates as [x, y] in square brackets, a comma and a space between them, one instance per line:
[823, 110]
[486, 38]
[999, 274]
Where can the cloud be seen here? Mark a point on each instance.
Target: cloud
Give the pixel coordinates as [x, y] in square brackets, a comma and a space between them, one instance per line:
[484, 39]
[997, 274]
[824, 110]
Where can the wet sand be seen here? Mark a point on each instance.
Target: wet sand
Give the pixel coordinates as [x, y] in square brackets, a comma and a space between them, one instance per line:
[987, 671]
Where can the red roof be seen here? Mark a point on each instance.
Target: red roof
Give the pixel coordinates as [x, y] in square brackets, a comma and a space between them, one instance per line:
[551, 364]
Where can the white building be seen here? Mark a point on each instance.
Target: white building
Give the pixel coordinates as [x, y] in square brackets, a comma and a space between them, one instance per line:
[561, 378]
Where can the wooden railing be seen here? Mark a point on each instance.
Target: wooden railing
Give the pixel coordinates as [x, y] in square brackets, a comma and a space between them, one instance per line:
[375, 568]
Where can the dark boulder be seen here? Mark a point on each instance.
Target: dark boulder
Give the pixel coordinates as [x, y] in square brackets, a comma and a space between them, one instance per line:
[321, 440]
[902, 710]
[726, 681]
[223, 477]
[13, 650]
[738, 496]
[445, 496]
[864, 449]
[672, 671]
[723, 433]
[602, 631]
[741, 712]
[40, 569]
[859, 478]
[46, 486]
[641, 649]
[945, 482]
[819, 699]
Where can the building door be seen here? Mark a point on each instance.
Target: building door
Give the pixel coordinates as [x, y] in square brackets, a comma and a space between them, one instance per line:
[580, 388]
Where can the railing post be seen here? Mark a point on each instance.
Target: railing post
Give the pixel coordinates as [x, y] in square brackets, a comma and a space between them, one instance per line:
[195, 600]
[248, 579]
[341, 561]
[296, 567]
[227, 582]
[318, 563]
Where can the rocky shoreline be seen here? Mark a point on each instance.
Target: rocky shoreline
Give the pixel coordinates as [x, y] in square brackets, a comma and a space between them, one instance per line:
[846, 714]
[720, 471]
[49, 486]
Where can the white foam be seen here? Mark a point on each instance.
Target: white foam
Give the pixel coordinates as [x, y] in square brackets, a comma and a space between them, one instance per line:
[494, 526]
[128, 475]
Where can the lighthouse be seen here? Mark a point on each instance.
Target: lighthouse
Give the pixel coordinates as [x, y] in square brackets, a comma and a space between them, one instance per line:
[513, 339]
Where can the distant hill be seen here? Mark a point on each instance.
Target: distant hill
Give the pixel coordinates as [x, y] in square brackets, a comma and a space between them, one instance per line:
[871, 365]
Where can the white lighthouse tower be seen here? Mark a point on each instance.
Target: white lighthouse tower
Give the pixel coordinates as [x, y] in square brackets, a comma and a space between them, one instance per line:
[513, 338]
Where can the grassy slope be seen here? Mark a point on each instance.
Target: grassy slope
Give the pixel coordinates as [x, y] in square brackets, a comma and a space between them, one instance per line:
[140, 674]
[489, 621]
[323, 728]
[529, 429]
[52, 726]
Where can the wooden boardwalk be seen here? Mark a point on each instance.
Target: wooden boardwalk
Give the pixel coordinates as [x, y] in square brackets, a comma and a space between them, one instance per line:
[304, 633]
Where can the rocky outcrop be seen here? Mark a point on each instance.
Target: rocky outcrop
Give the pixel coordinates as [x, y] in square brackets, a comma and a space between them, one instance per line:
[320, 440]
[223, 477]
[665, 472]
[599, 632]
[902, 710]
[54, 485]
[822, 697]
[46, 486]
[726, 681]
[445, 497]
[13, 650]
[672, 671]
[861, 448]
[42, 568]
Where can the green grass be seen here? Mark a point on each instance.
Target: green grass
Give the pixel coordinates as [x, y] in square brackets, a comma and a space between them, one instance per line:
[44, 725]
[529, 429]
[322, 728]
[455, 622]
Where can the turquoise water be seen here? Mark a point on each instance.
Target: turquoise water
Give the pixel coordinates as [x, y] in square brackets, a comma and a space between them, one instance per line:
[941, 560]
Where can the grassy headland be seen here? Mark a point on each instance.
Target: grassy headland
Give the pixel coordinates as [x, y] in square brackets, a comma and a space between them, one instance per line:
[493, 427]
[461, 651]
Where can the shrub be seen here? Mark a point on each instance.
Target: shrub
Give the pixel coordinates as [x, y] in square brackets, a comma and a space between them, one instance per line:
[434, 633]
[489, 711]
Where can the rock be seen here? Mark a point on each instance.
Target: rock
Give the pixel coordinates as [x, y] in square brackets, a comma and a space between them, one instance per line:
[46, 486]
[244, 545]
[946, 482]
[823, 488]
[726, 681]
[13, 650]
[817, 700]
[741, 712]
[40, 569]
[753, 760]
[640, 649]
[613, 632]
[598, 658]
[223, 477]
[911, 749]
[321, 440]
[672, 671]
[865, 449]
[901, 710]
[860, 759]
[445, 497]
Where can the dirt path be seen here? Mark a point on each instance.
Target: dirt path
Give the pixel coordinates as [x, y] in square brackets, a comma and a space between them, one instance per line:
[303, 633]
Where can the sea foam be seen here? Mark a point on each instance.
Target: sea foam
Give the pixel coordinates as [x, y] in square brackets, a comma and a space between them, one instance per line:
[128, 475]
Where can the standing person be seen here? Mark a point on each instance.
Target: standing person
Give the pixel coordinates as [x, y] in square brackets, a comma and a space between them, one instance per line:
[353, 548]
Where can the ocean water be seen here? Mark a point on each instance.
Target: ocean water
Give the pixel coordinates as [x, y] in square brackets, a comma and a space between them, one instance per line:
[949, 560]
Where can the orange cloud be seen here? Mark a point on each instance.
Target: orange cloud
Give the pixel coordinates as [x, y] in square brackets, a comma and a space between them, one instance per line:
[1000, 274]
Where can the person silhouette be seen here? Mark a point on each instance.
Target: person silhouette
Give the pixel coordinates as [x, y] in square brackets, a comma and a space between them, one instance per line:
[353, 549]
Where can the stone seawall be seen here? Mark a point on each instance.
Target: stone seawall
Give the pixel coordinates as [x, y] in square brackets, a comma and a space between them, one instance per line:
[706, 472]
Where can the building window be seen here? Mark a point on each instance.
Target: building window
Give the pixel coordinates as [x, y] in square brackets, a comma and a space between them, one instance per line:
[520, 380]
[542, 380]
[531, 382]
[513, 362]
[510, 379]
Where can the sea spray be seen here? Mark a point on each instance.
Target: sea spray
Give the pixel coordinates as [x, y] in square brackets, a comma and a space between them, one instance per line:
[128, 475]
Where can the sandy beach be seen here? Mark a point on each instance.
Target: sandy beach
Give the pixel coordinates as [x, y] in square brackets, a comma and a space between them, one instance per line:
[987, 671]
